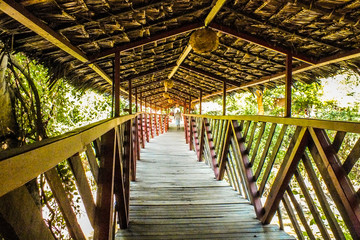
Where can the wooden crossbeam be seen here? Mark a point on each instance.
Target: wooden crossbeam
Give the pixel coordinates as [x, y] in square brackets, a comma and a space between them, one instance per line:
[149, 83]
[176, 79]
[214, 10]
[154, 38]
[148, 72]
[151, 89]
[303, 68]
[326, 12]
[226, 66]
[20, 14]
[209, 75]
[281, 29]
[183, 92]
[258, 41]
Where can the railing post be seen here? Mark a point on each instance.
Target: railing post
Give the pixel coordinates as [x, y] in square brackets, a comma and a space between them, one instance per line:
[186, 129]
[146, 122]
[151, 125]
[211, 147]
[105, 199]
[133, 149]
[119, 183]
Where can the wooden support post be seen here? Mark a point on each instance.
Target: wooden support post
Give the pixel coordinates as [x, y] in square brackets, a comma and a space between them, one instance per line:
[127, 163]
[211, 147]
[287, 169]
[119, 185]
[189, 104]
[186, 129]
[83, 186]
[200, 107]
[21, 218]
[136, 100]
[134, 151]
[288, 84]
[224, 98]
[117, 84]
[141, 99]
[201, 140]
[191, 147]
[130, 97]
[246, 169]
[104, 196]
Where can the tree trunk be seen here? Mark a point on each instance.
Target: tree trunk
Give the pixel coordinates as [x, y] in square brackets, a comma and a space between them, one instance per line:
[259, 96]
[8, 126]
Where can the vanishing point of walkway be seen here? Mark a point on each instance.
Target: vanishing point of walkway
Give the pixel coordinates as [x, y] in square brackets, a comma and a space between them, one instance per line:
[176, 197]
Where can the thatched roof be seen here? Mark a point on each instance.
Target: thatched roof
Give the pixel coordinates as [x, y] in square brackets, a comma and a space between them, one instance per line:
[254, 37]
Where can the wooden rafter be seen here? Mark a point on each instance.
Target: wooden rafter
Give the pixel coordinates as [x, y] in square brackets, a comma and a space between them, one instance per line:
[252, 55]
[209, 75]
[305, 67]
[214, 10]
[151, 71]
[326, 12]
[225, 65]
[281, 29]
[142, 42]
[260, 42]
[206, 82]
[20, 14]
[180, 91]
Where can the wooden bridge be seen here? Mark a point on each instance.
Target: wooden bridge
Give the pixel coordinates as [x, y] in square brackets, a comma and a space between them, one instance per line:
[178, 196]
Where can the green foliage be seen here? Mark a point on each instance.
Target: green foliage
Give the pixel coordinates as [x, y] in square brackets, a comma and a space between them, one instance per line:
[43, 112]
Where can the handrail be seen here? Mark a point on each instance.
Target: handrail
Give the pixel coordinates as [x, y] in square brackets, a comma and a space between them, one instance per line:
[272, 161]
[345, 126]
[111, 147]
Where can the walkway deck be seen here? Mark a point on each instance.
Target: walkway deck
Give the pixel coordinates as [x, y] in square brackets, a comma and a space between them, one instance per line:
[176, 197]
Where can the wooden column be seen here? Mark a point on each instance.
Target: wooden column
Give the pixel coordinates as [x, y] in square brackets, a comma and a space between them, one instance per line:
[117, 84]
[136, 100]
[141, 102]
[130, 97]
[288, 85]
[200, 108]
[189, 104]
[224, 98]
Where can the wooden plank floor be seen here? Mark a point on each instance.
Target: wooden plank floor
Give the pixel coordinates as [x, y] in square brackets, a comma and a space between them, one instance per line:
[176, 197]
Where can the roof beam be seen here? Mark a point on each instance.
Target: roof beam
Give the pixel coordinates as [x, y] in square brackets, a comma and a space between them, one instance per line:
[180, 91]
[214, 10]
[187, 84]
[303, 68]
[276, 27]
[148, 72]
[209, 75]
[20, 14]
[154, 38]
[260, 42]
[325, 11]
[226, 66]
[149, 83]
[151, 89]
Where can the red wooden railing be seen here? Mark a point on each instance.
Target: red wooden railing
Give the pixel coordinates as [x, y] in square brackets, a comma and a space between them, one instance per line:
[111, 147]
[303, 168]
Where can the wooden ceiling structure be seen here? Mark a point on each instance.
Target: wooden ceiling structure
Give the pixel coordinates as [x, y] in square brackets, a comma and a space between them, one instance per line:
[142, 42]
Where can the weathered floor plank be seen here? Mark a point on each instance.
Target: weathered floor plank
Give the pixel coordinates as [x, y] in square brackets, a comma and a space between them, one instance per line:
[176, 197]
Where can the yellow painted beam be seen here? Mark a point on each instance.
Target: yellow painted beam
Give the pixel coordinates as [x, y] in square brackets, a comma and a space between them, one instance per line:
[214, 11]
[23, 16]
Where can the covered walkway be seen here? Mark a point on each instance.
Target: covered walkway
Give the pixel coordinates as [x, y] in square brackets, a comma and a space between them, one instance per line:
[177, 197]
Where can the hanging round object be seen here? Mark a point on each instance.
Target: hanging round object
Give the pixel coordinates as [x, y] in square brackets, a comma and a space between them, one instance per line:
[166, 95]
[204, 40]
[168, 84]
[170, 101]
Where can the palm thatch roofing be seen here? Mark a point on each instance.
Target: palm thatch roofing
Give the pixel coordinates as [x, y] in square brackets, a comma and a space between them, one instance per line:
[255, 36]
